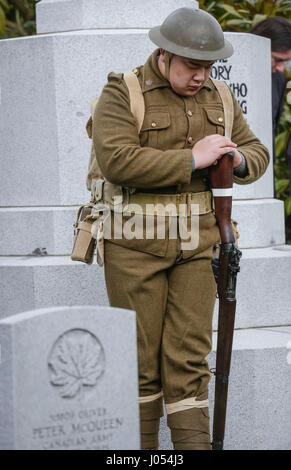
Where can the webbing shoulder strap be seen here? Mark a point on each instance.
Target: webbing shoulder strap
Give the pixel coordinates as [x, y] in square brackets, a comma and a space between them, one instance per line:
[136, 98]
[226, 98]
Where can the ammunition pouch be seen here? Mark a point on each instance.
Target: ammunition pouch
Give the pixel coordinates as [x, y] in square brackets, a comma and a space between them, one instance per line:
[88, 232]
[114, 196]
[84, 240]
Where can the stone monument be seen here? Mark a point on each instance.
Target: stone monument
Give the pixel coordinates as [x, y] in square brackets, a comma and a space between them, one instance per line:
[45, 152]
[68, 380]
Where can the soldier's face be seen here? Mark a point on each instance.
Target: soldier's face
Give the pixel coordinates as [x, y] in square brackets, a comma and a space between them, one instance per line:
[187, 76]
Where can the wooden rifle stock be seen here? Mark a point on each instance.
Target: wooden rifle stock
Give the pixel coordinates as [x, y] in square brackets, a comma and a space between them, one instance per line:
[221, 176]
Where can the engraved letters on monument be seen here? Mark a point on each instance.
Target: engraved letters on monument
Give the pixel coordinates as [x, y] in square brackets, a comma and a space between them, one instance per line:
[68, 380]
[222, 70]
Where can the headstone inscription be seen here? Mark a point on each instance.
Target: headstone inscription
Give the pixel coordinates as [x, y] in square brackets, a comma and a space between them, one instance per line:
[68, 380]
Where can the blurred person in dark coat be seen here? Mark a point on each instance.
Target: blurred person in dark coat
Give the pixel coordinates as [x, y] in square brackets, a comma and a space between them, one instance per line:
[278, 30]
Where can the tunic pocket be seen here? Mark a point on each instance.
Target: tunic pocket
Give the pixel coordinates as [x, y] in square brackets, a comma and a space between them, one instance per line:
[155, 122]
[214, 123]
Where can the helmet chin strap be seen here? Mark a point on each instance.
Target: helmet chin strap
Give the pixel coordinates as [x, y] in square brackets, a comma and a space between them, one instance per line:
[168, 57]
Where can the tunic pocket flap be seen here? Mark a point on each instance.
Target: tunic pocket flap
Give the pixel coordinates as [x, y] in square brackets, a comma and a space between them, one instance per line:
[155, 120]
[215, 116]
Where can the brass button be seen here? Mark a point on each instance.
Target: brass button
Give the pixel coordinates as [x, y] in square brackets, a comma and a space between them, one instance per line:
[190, 113]
[154, 124]
[220, 119]
[190, 140]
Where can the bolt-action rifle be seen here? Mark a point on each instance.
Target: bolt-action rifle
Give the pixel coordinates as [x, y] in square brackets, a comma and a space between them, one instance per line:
[221, 176]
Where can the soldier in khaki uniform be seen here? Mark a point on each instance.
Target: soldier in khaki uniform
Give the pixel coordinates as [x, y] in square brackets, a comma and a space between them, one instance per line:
[172, 289]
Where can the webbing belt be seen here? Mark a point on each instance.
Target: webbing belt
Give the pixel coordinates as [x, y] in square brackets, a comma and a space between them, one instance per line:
[183, 204]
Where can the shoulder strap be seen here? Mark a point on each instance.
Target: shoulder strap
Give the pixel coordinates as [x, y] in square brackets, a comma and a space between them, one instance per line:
[137, 105]
[93, 105]
[227, 102]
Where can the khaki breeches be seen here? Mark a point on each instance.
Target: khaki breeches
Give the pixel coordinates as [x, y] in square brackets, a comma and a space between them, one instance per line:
[173, 296]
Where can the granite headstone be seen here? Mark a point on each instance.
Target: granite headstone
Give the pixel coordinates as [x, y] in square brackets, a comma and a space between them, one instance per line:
[68, 380]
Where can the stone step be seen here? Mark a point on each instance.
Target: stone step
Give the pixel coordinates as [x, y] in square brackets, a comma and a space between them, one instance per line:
[35, 282]
[42, 128]
[263, 287]
[22, 230]
[259, 405]
[261, 222]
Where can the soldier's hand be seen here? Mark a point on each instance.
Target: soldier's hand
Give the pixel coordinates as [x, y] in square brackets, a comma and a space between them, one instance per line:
[209, 150]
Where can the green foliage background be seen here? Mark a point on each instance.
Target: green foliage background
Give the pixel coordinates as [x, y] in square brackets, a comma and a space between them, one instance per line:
[241, 15]
[17, 18]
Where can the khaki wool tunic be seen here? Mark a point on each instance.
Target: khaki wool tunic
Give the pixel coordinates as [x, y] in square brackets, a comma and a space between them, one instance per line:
[172, 292]
[161, 155]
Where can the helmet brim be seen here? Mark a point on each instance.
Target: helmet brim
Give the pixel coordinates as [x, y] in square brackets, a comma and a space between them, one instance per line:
[201, 54]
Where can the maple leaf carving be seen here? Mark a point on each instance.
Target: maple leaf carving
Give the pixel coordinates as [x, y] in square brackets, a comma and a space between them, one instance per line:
[76, 361]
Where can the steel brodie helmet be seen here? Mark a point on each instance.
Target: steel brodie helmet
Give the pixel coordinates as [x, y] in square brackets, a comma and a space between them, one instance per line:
[192, 33]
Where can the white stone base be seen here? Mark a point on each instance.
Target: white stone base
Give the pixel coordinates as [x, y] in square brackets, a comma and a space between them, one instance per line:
[260, 222]
[36, 282]
[259, 405]
[263, 289]
[23, 229]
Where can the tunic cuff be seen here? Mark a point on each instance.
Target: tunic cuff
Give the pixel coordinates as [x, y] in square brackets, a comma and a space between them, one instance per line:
[188, 159]
[193, 163]
[242, 170]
